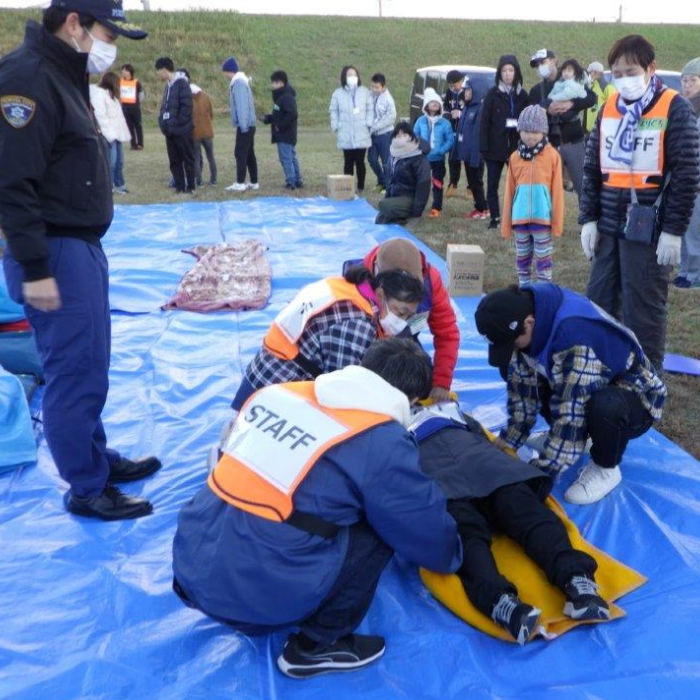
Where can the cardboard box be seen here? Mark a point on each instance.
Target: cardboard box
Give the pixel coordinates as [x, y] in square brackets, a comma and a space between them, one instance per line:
[341, 187]
[465, 270]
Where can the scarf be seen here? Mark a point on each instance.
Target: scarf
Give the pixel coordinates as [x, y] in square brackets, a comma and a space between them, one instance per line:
[508, 89]
[623, 145]
[529, 153]
[404, 149]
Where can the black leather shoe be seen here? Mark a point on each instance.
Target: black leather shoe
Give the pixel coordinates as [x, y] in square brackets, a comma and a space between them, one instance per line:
[111, 504]
[128, 470]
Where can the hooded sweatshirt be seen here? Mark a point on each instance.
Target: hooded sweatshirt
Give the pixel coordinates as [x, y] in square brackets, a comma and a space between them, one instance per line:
[175, 118]
[435, 131]
[241, 568]
[242, 103]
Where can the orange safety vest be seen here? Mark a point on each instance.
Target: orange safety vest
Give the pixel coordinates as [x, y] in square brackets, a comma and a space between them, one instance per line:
[649, 153]
[128, 92]
[279, 436]
[283, 337]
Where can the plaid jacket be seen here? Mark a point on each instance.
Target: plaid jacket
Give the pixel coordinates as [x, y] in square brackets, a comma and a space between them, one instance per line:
[577, 374]
[334, 339]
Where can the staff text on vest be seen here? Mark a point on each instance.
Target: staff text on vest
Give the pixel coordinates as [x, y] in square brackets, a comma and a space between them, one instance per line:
[280, 428]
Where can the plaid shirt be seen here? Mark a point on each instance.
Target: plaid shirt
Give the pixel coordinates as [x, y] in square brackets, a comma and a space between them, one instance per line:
[336, 338]
[577, 374]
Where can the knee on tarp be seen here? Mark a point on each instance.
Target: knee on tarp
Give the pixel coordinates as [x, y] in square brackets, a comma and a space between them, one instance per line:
[17, 443]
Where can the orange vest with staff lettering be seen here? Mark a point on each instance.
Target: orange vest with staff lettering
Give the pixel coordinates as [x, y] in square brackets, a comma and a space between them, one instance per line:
[128, 92]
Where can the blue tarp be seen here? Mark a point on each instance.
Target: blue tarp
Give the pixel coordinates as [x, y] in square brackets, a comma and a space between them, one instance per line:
[87, 611]
[17, 443]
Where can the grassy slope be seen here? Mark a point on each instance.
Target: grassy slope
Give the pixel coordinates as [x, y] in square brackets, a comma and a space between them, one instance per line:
[312, 50]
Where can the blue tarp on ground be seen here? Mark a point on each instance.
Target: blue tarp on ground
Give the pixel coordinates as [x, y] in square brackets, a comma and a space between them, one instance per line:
[86, 608]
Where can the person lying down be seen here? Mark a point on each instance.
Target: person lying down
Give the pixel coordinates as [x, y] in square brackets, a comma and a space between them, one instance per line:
[490, 491]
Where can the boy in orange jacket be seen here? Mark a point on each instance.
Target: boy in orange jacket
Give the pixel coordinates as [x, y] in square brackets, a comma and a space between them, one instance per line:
[533, 208]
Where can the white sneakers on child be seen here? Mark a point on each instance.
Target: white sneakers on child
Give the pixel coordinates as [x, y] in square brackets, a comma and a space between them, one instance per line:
[593, 483]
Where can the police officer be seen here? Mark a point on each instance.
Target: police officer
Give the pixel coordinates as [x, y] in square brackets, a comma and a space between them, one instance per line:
[55, 206]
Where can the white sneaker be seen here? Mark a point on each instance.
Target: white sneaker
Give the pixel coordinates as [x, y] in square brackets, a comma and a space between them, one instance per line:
[254, 186]
[237, 187]
[593, 483]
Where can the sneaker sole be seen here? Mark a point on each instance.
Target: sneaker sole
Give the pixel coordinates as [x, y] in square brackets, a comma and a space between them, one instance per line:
[302, 672]
[585, 613]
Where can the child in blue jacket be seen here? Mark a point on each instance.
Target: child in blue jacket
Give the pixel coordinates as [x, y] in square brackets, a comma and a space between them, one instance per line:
[436, 131]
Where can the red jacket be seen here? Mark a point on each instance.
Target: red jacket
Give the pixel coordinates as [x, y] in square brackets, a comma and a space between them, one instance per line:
[441, 321]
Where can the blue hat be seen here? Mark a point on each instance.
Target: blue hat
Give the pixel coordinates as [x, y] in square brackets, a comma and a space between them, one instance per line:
[108, 13]
[230, 65]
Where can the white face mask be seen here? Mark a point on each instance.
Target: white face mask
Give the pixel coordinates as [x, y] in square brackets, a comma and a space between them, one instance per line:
[352, 80]
[393, 324]
[545, 70]
[101, 56]
[632, 87]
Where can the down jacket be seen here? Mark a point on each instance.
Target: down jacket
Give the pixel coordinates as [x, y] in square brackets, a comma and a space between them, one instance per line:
[608, 205]
[352, 115]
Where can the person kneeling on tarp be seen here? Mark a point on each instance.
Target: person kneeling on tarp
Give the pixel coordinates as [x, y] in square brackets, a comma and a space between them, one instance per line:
[318, 486]
[488, 490]
[564, 357]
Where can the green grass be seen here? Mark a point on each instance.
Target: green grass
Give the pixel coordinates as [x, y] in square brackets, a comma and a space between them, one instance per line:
[312, 50]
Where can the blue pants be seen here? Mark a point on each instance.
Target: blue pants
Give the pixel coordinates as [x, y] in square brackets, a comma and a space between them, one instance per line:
[116, 163]
[74, 344]
[288, 157]
[380, 151]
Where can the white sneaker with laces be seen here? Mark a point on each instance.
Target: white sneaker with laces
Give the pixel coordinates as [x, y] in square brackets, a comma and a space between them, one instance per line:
[237, 187]
[254, 186]
[593, 483]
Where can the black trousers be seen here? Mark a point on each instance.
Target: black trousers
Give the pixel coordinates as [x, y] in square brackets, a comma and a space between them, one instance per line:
[456, 172]
[614, 416]
[516, 511]
[244, 153]
[494, 170]
[354, 160]
[475, 180]
[132, 115]
[182, 161]
[439, 171]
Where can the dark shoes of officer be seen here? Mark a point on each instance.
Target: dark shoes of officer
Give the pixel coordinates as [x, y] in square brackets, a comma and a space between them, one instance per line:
[111, 504]
[304, 658]
[127, 470]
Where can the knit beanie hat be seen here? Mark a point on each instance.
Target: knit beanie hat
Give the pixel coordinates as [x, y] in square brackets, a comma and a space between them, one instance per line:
[692, 67]
[533, 118]
[230, 65]
[430, 95]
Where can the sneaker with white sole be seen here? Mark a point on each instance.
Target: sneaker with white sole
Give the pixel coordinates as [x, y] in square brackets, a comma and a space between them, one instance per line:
[593, 483]
[237, 187]
[254, 186]
[583, 601]
[516, 617]
[301, 660]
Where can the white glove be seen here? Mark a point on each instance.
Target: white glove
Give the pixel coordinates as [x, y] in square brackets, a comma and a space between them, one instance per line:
[668, 252]
[589, 239]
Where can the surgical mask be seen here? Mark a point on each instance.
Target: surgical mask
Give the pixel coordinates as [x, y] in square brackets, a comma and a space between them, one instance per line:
[545, 70]
[631, 87]
[101, 56]
[352, 81]
[393, 324]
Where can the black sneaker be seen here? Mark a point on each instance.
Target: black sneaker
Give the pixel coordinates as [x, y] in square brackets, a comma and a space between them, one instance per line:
[299, 185]
[583, 601]
[299, 659]
[494, 224]
[127, 470]
[517, 618]
[111, 504]
[289, 187]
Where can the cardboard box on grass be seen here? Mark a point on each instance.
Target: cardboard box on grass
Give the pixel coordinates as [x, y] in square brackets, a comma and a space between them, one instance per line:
[340, 187]
[465, 270]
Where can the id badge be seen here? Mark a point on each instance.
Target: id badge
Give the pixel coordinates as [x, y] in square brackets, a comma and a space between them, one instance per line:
[511, 123]
[166, 116]
[461, 138]
[418, 323]
[356, 110]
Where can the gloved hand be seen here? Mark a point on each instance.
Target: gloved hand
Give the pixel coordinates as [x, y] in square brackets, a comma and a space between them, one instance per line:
[589, 239]
[668, 252]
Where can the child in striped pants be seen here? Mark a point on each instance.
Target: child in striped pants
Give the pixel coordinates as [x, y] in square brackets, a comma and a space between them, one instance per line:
[533, 209]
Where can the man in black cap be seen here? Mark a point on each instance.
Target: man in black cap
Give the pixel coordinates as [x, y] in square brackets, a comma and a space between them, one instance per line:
[564, 358]
[55, 206]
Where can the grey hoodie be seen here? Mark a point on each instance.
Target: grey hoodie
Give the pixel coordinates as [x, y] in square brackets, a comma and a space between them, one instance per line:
[242, 103]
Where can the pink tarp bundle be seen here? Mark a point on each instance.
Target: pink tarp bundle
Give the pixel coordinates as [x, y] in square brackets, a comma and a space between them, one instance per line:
[226, 276]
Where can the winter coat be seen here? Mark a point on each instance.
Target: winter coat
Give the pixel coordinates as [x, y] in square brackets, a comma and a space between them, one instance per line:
[240, 567]
[608, 205]
[468, 136]
[602, 91]
[410, 177]
[383, 114]
[242, 103]
[284, 118]
[451, 102]
[441, 320]
[443, 137]
[352, 115]
[534, 192]
[497, 140]
[203, 114]
[567, 127]
[175, 117]
[692, 239]
[109, 115]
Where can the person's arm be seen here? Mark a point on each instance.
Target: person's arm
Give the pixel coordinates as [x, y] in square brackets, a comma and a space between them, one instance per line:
[185, 109]
[589, 206]
[421, 193]
[287, 113]
[99, 107]
[443, 325]
[507, 212]
[523, 403]
[449, 139]
[242, 100]
[386, 116]
[406, 508]
[578, 104]
[535, 94]
[334, 111]
[141, 93]
[485, 126]
[369, 110]
[557, 194]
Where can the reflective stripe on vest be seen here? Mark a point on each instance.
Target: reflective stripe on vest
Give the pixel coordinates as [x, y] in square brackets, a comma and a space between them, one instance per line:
[648, 158]
[128, 92]
[283, 337]
[278, 437]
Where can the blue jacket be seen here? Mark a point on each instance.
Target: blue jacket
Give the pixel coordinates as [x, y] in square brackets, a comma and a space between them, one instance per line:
[444, 137]
[239, 567]
[467, 144]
